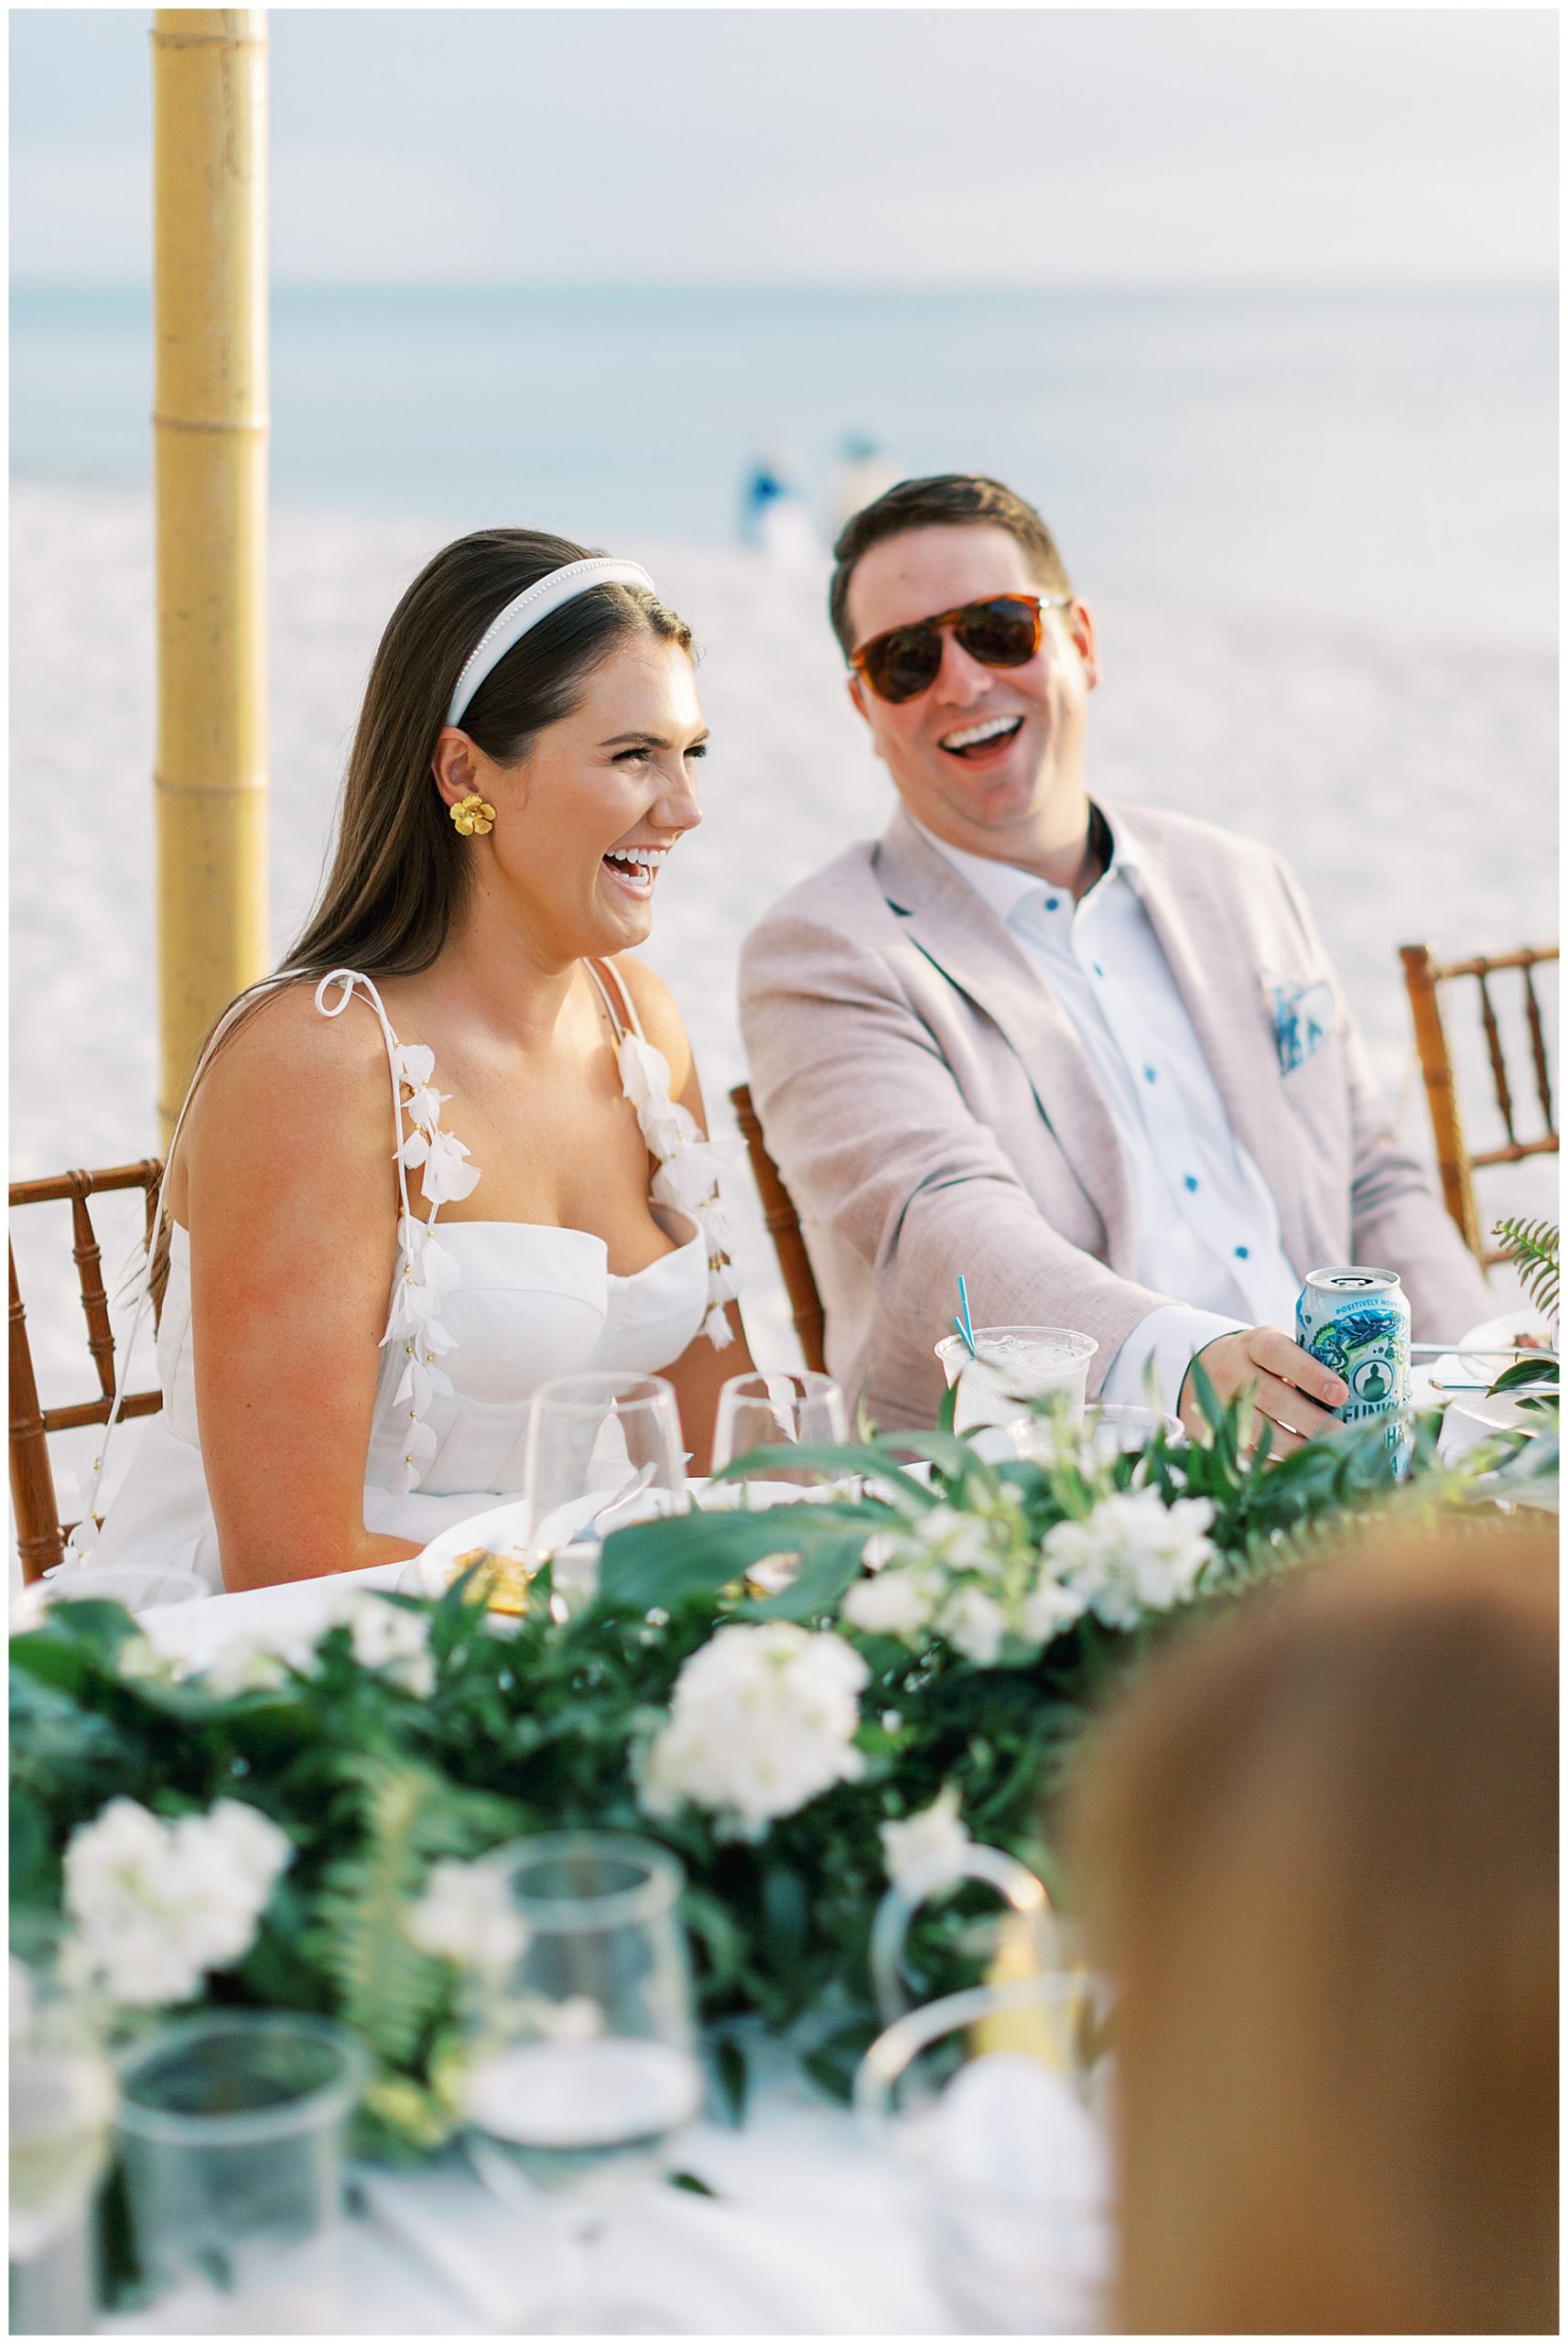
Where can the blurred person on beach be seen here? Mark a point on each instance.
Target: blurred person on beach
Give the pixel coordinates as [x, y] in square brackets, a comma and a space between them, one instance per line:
[524, 763]
[1318, 1858]
[776, 519]
[1093, 1056]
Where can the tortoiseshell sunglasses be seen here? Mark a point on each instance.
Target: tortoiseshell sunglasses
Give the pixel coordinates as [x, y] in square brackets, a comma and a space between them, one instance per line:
[1001, 631]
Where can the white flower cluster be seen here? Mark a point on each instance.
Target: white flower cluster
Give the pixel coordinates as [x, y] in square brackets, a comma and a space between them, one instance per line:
[467, 1916]
[1134, 1554]
[977, 1580]
[761, 1719]
[687, 1176]
[390, 1637]
[938, 1830]
[157, 1905]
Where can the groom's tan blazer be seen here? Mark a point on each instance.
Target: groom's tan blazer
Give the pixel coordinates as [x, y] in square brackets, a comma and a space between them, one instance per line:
[933, 1110]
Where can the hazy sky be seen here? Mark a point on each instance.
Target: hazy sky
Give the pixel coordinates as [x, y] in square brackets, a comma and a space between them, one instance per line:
[897, 146]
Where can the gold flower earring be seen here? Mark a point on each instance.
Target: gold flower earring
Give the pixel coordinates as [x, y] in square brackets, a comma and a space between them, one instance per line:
[471, 817]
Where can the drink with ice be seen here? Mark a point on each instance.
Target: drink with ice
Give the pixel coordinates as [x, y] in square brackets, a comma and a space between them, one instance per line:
[1013, 1365]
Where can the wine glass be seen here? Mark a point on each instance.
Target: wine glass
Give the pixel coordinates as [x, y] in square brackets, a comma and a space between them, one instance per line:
[778, 1412]
[601, 1451]
[582, 2060]
[61, 2106]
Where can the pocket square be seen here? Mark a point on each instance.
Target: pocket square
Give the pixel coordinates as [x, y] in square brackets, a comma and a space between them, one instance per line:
[1303, 1016]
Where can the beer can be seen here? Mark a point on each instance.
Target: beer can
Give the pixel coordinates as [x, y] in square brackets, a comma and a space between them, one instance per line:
[1358, 1323]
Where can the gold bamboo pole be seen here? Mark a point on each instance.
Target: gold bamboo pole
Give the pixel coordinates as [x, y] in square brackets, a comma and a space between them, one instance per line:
[209, 427]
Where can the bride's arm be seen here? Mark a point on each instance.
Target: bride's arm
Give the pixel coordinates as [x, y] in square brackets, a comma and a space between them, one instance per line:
[700, 1370]
[289, 1191]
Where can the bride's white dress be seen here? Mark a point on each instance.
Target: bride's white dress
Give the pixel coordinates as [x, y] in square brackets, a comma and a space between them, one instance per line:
[481, 1313]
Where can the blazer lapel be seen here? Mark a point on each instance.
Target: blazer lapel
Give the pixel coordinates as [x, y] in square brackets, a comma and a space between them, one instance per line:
[1222, 990]
[962, 936]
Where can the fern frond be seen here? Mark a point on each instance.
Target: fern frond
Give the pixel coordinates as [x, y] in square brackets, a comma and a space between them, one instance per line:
[388, 1990]
[1534, 1247]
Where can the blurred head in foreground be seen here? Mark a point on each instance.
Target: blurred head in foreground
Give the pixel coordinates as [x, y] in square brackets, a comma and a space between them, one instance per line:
[1319, 1858]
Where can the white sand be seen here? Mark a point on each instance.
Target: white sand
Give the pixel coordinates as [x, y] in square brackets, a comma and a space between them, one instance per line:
[1413, 791]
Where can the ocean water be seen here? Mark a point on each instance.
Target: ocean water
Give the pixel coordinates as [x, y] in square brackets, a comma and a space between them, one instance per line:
[1383, 461]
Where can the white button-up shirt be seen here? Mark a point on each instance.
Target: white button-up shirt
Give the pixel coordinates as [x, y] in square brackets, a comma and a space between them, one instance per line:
[1209, 1229]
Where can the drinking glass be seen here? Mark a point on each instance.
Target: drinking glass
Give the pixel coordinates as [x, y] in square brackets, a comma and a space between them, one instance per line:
[232, 2128]
[61, 2107]
[778, 1412]
[582, 2063]
[1010, 1365]
[601, 1451]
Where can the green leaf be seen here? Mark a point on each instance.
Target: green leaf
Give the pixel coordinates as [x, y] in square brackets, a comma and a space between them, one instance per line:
[694, 2182]
[1527, 1372]
[655, 1565]
[822, 1579]
[835, 1461]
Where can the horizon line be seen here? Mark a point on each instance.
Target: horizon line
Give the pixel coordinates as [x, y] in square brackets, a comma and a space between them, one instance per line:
[1211, 287]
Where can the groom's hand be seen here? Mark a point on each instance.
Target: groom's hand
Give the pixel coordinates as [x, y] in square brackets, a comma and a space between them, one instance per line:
[1293, 1391]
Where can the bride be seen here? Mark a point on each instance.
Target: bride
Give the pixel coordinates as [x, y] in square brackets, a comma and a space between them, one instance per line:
[457, 1092]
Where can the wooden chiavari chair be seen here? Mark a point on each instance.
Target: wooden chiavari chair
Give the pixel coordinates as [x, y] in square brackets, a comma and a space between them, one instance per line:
[1456, 1162]
[40, 1534]
[784, 1227]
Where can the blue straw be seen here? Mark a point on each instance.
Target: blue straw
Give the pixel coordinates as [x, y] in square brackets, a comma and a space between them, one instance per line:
[963, 1338]
[969, 1326]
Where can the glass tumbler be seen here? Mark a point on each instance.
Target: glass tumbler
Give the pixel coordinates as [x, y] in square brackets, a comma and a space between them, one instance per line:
[1010, 1365]
[232, 2131]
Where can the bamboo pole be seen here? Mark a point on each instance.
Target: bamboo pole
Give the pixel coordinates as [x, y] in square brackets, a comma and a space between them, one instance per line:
[210, 430]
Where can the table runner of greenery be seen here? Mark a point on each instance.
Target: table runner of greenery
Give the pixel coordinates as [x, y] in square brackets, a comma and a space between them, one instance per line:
[299, 1826]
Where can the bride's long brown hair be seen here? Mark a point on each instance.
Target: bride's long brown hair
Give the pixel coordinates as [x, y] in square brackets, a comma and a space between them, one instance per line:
[398, 870]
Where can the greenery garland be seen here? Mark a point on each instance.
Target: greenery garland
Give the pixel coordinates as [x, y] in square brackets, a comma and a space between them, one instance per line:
[418, 1735]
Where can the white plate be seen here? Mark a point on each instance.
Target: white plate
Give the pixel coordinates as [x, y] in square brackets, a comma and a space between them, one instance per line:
[1465, 1364]
[501, 1530]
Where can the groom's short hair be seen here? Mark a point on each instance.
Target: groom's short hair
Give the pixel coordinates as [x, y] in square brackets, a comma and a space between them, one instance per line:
[942, 500]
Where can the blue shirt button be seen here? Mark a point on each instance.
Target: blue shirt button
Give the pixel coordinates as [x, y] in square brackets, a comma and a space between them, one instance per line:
[1243, 1252]
[1051, 902]
[1099, 971]
[1191, 1181]
[1149, 1074]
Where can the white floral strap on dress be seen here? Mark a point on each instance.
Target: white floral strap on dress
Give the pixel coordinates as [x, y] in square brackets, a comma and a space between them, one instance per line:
[426, 1271]
[687, 1176]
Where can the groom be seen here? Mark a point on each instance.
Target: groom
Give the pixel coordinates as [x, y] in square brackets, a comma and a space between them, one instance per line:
[1093, 1056]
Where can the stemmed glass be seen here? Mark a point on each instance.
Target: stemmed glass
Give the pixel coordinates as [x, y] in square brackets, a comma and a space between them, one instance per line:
[601, 1451]
[778, 1412]
[583, 2065]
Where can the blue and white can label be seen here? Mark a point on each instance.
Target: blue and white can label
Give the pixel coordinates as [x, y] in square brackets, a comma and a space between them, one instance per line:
[1358, 1323]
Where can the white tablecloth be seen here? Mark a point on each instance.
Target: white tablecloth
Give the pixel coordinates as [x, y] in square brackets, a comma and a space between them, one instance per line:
[812, 2233]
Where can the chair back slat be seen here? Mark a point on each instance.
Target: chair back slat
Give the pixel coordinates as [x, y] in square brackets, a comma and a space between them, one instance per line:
[1457, 1162]
[40, 1540]
[89, 1261]
[1538, 1051]
[1495, 1052]
[784, 1227]
[40, 1534]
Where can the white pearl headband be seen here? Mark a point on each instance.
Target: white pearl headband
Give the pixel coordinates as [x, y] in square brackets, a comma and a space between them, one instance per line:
[526, 610]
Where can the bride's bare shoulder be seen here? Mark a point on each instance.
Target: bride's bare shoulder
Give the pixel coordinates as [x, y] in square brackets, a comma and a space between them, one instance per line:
[284, 1064]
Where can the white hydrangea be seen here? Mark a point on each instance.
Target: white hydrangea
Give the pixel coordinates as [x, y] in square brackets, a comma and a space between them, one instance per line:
[938, 1830]
[1133, 1554]
[892, 1602]
[467, 1916]
[391, 1637]
[156, 1905]
[975, 1622]
[761, 1719]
